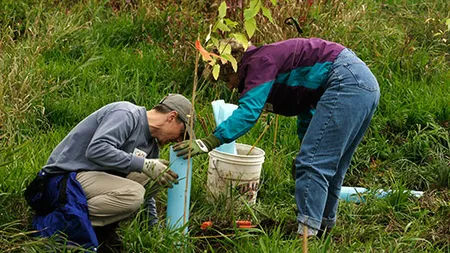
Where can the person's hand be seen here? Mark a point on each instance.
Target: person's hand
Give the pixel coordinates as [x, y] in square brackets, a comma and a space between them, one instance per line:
[198, 147]
[157, 170]
[183, 148]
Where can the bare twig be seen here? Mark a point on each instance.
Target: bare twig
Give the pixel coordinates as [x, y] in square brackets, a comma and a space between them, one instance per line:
[259, 138]
[203, 124]
[275, 133]
[305, 239]
[191, 121]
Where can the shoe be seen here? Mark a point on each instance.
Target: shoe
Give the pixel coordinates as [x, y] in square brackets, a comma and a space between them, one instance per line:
[324, 232]
[293, 169]
[108, 239]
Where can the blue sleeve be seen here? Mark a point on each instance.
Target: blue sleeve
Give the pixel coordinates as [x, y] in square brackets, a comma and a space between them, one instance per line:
[303, 121]
[250, 107]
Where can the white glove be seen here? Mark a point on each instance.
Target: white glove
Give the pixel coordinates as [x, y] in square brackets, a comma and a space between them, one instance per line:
[157, 170]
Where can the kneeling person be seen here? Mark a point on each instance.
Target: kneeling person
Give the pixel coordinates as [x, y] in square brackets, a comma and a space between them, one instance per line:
[96, 175]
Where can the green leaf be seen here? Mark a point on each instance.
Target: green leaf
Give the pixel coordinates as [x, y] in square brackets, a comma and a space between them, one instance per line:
[215, 41]
[241, 39]
[230, 22]
[232, 60]
[274, 2]
[215, 26]
[251, 12]
[216, 71]
[234, 64]
[250, 27]
[212, 62]
[221, 26]
[222, 9]
[255, 3]
[448, 24]
[225, 48]
[266, 12]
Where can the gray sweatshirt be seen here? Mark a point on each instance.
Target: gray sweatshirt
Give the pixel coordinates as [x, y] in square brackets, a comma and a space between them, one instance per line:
[115, 138]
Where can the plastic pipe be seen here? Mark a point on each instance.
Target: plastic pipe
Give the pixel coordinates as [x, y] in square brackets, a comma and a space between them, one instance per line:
[178, 197]
[221, 112]
[354, 194]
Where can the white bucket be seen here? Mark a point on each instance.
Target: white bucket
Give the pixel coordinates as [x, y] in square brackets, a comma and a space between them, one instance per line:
[229, 171]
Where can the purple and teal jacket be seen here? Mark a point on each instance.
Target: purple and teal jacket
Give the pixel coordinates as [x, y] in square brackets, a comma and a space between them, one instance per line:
[285, 78]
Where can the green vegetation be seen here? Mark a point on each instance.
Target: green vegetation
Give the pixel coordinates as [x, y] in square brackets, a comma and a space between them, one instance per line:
[61, 60]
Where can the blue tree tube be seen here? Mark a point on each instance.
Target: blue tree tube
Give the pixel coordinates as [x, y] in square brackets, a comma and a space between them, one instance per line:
[355, 194]
[178, 197]
[221, 112]
[352, 194]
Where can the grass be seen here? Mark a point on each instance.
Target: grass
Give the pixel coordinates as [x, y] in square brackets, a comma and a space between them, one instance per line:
[60, 61]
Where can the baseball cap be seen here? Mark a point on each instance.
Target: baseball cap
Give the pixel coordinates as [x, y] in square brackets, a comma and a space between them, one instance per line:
[183, 106]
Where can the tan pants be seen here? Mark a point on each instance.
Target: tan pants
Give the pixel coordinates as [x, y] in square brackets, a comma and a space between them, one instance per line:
[112, 198]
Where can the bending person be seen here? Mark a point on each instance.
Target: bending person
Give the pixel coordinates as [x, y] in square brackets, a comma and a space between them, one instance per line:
[330, 90]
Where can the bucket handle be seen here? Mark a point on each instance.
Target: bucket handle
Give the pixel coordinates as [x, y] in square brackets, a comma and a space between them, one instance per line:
[214, 167]
[214, 163]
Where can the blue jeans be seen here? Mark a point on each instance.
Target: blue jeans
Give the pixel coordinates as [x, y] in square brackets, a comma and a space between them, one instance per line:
[342, 116]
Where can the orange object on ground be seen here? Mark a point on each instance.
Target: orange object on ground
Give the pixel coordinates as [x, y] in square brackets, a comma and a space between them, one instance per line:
[244, 224]
[206, 225]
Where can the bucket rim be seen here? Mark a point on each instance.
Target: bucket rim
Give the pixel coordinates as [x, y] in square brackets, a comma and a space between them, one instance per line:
[263, 153]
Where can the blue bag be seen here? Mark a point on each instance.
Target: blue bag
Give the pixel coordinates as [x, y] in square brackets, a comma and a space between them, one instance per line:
[62, 209]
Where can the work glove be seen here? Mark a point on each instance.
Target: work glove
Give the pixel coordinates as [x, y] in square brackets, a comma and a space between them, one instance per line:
[201, 146]
[157, 170]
